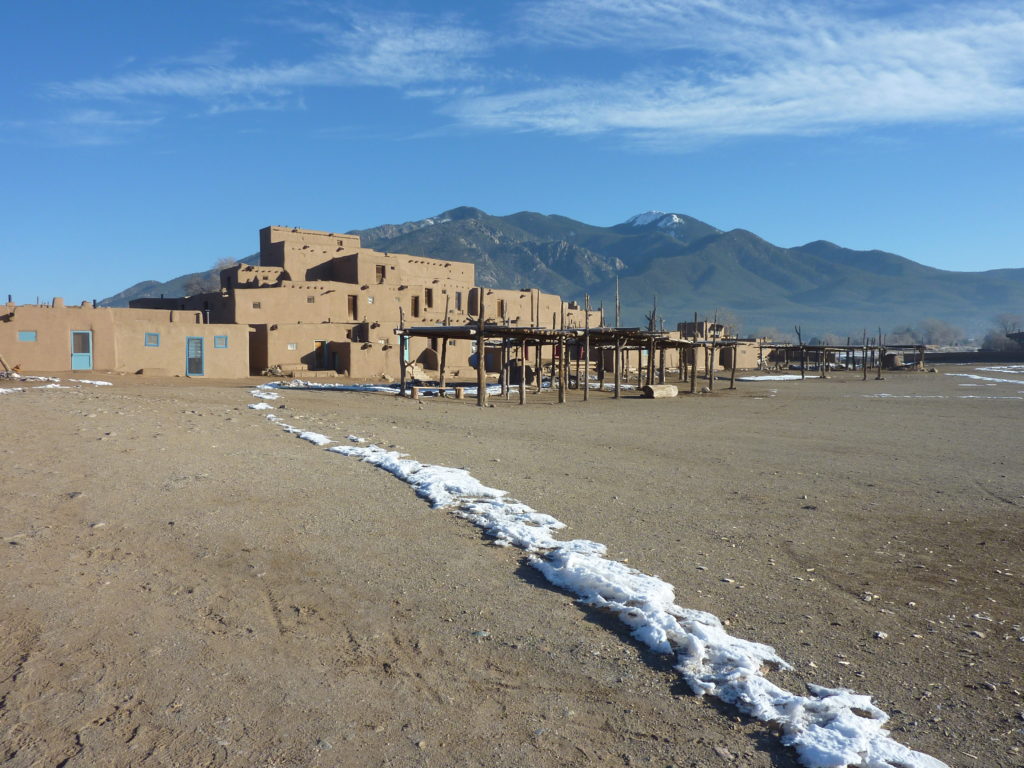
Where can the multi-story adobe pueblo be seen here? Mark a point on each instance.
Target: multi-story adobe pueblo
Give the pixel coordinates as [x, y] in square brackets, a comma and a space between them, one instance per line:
[319, 301]
[317, 304]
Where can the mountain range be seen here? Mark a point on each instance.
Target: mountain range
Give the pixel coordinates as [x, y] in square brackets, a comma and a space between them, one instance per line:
[688, 266]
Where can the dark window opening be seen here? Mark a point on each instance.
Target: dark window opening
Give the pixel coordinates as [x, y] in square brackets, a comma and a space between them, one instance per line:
[353, 307]
[380, 273]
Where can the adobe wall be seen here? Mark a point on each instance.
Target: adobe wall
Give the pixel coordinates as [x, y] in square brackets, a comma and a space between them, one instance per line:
[369, 267]
[119, 339]
[356, 350]
[304, 254]
[531, 307]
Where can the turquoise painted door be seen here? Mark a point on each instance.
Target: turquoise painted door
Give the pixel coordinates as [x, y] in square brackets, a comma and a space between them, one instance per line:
[194, 365]
[81, 350]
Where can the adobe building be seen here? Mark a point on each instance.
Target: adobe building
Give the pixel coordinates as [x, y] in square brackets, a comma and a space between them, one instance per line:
[56, 338]
[320, 302]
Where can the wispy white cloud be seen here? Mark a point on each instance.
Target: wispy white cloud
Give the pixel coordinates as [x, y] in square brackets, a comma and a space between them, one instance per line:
[82, 127]
[672, 72]
[788, 68]
[367, 51]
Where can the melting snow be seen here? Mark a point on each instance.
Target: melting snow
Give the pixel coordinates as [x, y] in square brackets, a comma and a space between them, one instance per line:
[987, 378]
[827, 728]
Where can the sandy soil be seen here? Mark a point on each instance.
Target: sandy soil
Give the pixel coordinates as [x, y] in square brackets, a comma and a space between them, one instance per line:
[185, 584]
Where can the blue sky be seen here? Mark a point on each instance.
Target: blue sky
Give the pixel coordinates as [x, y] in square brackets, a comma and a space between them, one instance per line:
[142, 140]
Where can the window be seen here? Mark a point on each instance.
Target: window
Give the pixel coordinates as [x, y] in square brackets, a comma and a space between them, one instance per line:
[415, 306]
[292, 347]
[255, 305]
[353, 307]
[380, 273]
[428, 297]
[310, 299]
[220, 342]
[458, 301]
[152, 340]
[501, 308]
[26, 335]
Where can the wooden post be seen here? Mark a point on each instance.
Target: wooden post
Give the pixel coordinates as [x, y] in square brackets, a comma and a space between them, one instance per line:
[618, 367]
[693, 372]
[481, 355]
[661, 365]
[732, 374]
[586, 348]
[823, 361]
[444, 357]
[562, 370]
[402, 342]
[540, 367]
[576, 362]
[522, 372]
[503, 375]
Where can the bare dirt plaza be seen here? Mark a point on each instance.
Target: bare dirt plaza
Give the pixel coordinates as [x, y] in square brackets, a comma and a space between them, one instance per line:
[184, 583]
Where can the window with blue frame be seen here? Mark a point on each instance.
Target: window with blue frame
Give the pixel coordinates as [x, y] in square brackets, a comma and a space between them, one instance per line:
[26, 335]
[152, 339]
[220, 342]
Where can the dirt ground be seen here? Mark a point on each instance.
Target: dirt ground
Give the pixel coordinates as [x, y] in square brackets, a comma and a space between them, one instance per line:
[185, 584]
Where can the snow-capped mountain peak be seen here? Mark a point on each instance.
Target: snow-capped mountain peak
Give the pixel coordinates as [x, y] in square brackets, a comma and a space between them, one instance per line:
[658, 218]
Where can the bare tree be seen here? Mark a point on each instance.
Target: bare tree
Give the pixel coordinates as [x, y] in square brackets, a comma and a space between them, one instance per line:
[996, 339]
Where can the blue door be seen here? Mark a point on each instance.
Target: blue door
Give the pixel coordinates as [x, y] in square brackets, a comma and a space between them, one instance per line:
[194, 365]
[81, 350]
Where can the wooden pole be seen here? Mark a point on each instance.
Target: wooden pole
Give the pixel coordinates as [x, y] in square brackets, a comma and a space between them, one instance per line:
[540, 367]
[504, 369]
[732, 374]
[661, 365]
[444, 357]
[522, 372]
[402, 342]
[881, 354]
[711, 365]
[586, 348]
[618, 367]
[693, 371]
[562, 370]
[481, 355]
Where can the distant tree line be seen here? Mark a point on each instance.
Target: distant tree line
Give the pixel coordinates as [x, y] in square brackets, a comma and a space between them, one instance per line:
[996, 338]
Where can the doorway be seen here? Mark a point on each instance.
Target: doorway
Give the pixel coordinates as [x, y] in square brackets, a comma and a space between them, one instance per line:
[194, 363]
[81, 350]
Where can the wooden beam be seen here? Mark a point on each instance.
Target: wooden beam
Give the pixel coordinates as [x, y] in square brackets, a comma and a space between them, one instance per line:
[481, 355]
[522, 372]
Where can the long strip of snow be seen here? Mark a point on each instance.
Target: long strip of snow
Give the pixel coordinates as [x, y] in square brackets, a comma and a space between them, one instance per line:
[828, 728]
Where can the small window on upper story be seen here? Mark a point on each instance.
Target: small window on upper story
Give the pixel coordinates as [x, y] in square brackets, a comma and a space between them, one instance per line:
[220, 342]
[152, 340]
[310, 299]
[428, 297]
[26, 335]
[458, 301]
[292, 347]
[380, 273]
[415, 306]
[353, 307]
[255, 305]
